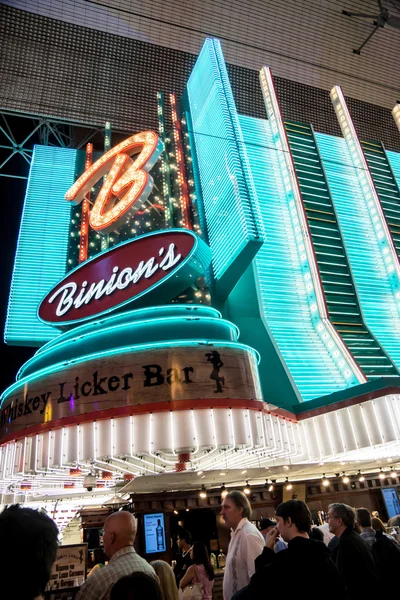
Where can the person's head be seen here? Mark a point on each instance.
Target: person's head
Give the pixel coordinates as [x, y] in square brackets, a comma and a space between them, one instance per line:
[363, 517]
[137, 586]
[34, 534]
[378, 525]
[167, 579]
[316, 534]
[293, 519]
[184, 539]
[119, 532]
[341, 517]
[235, 507]
[98, 556]
[199, 555]
[266, 525]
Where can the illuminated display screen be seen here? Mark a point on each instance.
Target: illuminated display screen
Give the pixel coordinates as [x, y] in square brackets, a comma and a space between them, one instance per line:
[391, 501]
[154, 533]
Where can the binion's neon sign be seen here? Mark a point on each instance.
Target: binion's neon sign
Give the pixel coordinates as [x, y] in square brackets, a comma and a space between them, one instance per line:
[128, 183]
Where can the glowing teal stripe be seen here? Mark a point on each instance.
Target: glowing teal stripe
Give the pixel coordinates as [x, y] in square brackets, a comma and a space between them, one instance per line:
[370, 274]
[126, 349]
[166, 328]
[228, 192]
[41, 256]
[281, 285]
[394, 160]
[181, 310]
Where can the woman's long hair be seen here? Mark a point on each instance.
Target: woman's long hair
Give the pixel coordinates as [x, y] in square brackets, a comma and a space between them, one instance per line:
[167, 579]
[200, 557]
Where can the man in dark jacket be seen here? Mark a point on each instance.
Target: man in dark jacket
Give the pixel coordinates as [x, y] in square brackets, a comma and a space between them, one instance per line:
[183, 562]
[305, 567]
[352, 556]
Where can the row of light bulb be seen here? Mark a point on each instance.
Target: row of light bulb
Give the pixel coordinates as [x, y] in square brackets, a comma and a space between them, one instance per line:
[269, 484]
[246, 490]
[346, 479]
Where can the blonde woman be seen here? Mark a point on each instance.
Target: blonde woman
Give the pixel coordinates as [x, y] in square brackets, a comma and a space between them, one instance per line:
[167, 579]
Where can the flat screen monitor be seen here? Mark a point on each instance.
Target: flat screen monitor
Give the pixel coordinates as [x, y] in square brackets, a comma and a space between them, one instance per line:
[391, 501]
[154, 533]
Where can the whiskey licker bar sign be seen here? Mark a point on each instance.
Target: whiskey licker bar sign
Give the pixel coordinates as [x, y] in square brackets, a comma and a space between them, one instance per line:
[151, 268]
[130, 379]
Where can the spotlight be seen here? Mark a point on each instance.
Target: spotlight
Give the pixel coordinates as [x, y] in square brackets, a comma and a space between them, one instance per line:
[393, 473]
[381, 475]
[288, 485]
[175, 512]
[269, 485]
[360, 476]
[325, 481]
[345, 479]
[247, 489]
[224, 491]
[203, 492]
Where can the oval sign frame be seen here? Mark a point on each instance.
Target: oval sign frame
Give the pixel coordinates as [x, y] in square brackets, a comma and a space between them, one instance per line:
[195, 258]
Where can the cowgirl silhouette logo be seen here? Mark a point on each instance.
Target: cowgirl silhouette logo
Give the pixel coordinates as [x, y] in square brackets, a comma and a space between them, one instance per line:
[215, 359]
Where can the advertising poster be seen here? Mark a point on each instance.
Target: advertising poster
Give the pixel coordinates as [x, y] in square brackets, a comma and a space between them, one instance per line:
[154, 533]
[70, 567]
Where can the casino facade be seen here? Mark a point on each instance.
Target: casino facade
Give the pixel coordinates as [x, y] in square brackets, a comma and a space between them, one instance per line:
[218, 295]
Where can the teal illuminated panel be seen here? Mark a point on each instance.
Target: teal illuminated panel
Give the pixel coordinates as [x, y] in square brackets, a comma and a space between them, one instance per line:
[374, 289]
[234, 226]
[282, 292]
[41, 255]
[394, 160]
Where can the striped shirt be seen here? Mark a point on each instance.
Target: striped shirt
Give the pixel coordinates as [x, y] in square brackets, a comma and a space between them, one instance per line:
[124, 562]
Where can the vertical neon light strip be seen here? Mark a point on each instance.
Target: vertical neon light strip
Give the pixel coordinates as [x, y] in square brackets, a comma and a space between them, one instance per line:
[41, 256]
[84, 234]
[396, 115]
[234, 224]
[367, 262]
[105, 239]
[166, 176]
[180, 165]
[281, 287]
[334, 343]
[382, 233]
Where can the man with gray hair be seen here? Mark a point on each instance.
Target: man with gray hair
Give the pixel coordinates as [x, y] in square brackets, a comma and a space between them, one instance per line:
[352, 556]
[245, 546]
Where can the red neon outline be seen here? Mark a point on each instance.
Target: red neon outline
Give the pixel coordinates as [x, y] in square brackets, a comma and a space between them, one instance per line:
[84, 236]
[182, 183]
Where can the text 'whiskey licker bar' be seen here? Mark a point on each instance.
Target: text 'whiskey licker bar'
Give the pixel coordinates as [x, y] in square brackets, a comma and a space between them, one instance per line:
[228, 298]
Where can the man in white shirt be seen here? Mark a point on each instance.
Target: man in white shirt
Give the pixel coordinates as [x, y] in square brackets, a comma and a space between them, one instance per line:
[246, 543]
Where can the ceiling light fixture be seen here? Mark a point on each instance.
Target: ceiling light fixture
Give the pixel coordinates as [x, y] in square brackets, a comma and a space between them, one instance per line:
[203, 492]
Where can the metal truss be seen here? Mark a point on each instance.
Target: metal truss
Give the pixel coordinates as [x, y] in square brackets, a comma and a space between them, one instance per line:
[19, 132]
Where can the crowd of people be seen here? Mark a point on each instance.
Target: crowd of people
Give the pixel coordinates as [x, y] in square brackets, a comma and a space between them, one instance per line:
[351, 558]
